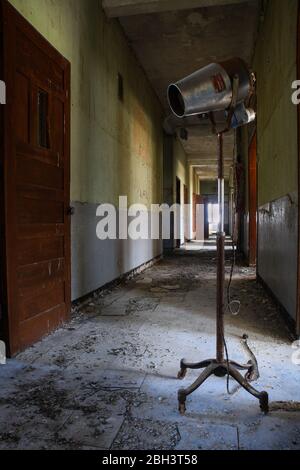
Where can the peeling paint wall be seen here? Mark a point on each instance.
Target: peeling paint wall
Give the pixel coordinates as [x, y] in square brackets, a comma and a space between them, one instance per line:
[180, 166]
[275, 65]
[175, 166]
[180, 171]
[116, 147]
[196, 183]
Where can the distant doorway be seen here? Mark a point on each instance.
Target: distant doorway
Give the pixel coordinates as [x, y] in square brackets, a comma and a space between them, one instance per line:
[213, 218]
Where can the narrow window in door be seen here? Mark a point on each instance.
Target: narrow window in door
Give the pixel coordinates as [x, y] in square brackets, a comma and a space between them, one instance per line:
[43, 120]
[120, 87]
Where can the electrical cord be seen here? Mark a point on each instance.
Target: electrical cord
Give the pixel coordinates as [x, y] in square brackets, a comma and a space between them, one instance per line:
[232, 303]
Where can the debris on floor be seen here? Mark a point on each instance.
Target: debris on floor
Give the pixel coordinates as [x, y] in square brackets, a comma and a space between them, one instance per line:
[107, 379]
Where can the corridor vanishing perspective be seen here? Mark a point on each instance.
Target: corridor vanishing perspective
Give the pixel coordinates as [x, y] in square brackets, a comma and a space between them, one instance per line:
[108, 379]
[149, 228]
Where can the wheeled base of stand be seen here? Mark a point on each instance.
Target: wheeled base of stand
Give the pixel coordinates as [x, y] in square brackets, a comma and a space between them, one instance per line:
[221, 369]
[219, 366]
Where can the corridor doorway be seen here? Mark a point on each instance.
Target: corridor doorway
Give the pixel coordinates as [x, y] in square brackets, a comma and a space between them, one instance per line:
[213, 218]
[36, 184]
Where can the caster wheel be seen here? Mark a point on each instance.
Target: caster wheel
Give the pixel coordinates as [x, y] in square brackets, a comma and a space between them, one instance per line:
[252, 374]
[264, 403]
[182, 409]
[249, 376]
[181, 374]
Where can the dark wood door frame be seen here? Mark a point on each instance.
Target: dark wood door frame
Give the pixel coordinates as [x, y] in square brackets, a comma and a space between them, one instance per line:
[11, 22]
[206, 223]
[3, 300]
[252, 184]
[298, 77]
[178, 201]
[186, 213]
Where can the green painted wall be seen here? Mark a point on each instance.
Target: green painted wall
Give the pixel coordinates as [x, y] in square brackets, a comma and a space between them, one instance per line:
[180, 170]
[275, 65]
[116, 148]
[276, 68]
[210, 187]
[196, 186]
[179, 167]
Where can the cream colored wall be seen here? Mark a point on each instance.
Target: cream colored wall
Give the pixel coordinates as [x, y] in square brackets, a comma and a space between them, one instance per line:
[275, 65]
[276, 68]
[115, 148]
[194, 188]
[196, 183]
[179, 167]
[191, 174]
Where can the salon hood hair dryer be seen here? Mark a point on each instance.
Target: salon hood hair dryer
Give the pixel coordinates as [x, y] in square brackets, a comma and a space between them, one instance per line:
[213, 88]
[224, 89]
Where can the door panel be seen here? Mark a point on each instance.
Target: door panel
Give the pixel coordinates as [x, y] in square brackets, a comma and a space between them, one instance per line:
[30, 305]
[23, 98]
[36, 182]
[38, 173]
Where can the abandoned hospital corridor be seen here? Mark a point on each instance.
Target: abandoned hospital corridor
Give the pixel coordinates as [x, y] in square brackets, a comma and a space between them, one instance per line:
[108, 379]
[149, 226]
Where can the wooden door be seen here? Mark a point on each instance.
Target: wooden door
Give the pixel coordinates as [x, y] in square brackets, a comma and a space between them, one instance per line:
[186, 212]
[252, 175]
[206, 221]
[298, 123]
[36, 161]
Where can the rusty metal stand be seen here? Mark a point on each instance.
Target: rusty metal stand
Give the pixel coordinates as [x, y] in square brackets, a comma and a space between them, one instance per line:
[220, 367]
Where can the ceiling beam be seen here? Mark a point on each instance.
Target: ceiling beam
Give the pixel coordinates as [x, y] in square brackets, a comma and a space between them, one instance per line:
[210, 161]
[120, 8]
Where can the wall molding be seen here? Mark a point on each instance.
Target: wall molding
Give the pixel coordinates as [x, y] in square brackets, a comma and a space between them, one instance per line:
[79, 303]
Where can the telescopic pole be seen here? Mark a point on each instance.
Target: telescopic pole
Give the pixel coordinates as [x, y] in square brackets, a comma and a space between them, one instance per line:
[220, 255]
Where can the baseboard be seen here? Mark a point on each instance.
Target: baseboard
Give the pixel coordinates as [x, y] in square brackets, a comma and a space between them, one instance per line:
[116, 282]
[289, 321]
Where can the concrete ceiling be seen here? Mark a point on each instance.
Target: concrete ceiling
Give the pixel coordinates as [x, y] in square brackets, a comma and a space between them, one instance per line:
[171, 42]
[204, 156]
[119, 8]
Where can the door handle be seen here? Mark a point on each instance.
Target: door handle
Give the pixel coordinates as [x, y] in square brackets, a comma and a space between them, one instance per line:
[71, 210]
